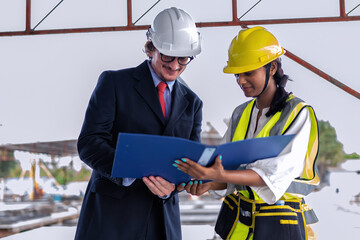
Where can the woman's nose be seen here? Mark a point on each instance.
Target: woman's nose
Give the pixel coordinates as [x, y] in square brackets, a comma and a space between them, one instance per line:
[240, 79]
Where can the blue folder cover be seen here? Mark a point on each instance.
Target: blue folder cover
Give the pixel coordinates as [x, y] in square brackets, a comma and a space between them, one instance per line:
[139, 155]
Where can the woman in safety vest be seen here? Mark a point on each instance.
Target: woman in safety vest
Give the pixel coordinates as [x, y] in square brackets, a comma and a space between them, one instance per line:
[264, 199]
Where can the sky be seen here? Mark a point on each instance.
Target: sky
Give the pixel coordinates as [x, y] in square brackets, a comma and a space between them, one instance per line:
[46, 80]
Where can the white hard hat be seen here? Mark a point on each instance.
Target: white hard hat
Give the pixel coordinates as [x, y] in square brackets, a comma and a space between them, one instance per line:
[174, 33]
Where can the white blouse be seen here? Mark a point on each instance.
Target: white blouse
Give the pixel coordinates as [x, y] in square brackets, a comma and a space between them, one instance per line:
[280, 171]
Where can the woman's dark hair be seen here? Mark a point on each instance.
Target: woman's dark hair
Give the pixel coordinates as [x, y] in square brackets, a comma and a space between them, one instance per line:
[280, 97]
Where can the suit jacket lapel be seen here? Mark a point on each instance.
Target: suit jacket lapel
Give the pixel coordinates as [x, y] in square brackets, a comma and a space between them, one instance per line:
[145, 87]
[179, 104]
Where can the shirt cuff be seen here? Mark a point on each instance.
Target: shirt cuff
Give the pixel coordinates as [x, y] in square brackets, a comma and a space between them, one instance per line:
[128, 181]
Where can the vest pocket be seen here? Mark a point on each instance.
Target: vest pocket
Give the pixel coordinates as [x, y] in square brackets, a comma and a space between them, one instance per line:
[246, 213]
[228, 216]
[278, 223]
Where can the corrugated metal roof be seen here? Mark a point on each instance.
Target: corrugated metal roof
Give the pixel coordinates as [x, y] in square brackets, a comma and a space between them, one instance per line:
[55, 148]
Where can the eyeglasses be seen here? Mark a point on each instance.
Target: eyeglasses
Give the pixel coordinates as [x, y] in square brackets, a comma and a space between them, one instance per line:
[181, 60]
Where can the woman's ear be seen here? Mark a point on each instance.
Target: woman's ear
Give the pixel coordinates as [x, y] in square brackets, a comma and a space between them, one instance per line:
[273, 68]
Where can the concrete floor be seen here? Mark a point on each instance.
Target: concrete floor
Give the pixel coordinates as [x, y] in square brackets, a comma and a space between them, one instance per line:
[190, 232]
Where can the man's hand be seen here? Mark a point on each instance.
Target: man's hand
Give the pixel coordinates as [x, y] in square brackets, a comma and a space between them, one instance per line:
[159, 186]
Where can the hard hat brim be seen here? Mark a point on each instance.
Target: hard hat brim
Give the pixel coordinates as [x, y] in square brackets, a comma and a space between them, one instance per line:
[248, 68]
[179, 53]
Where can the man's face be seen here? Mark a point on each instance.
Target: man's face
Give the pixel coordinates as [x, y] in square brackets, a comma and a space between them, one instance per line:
[167, 71]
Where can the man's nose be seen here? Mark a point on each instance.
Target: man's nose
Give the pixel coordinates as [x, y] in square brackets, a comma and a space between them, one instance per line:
[175, 64]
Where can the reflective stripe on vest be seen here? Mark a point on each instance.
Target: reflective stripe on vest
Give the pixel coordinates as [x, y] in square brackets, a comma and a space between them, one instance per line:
[279, 123]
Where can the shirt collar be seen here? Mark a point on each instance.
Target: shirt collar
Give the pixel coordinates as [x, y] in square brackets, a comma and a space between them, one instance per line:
[157, 79]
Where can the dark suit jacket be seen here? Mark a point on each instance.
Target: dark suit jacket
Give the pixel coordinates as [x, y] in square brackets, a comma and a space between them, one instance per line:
[126, 101]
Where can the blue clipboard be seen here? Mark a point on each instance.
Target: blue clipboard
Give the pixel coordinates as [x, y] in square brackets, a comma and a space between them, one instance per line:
[142, 155]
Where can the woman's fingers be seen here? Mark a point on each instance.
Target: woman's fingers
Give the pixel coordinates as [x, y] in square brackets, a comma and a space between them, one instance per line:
[181, 187]
[196, 187]
[190, 167]
[183, 163]
[218, 161]
[188, 186]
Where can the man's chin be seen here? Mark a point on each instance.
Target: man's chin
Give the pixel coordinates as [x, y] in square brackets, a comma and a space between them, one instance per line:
[170, 79]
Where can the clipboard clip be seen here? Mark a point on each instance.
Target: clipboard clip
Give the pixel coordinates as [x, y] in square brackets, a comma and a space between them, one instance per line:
[206, 156]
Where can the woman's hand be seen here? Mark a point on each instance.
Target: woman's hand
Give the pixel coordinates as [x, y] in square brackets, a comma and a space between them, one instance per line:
[195, 187]
[214, 172]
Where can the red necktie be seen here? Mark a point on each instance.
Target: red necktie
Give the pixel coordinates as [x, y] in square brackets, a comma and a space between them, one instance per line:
[161, 88]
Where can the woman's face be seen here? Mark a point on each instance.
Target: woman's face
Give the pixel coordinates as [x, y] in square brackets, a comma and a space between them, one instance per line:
[252, 82]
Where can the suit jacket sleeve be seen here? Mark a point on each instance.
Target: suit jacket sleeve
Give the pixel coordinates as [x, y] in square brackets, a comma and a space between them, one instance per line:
[96, 141]
[195, 133]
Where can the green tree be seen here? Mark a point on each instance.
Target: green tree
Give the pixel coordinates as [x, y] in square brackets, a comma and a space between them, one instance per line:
[6, 163]
[352, 156]
[331, 151]
[66, 174]
[6, 167]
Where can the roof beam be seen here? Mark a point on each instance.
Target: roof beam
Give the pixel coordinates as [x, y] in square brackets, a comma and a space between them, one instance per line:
[322, 74]
[343, 17]
[198, 24]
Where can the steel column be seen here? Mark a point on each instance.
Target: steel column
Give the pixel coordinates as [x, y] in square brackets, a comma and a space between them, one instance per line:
[342, 8]
[129, 13]
[234, 11]
[28, 17]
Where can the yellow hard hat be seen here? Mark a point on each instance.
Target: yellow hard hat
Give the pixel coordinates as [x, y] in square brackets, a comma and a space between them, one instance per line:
[251, 49]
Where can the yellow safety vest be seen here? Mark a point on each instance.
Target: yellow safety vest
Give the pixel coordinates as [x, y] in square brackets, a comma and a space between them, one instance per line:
[278, 125]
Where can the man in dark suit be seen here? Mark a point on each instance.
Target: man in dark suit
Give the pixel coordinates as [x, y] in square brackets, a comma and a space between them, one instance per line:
[132, 101]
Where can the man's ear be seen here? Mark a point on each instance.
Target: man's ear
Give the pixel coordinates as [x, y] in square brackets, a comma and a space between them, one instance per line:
[150, 54]
[149, 49]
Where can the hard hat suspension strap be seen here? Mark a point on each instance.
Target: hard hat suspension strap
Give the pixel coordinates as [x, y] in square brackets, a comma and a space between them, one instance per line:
[267, 66]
